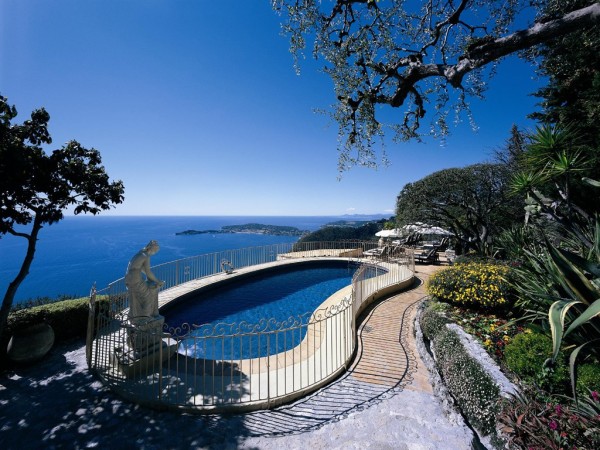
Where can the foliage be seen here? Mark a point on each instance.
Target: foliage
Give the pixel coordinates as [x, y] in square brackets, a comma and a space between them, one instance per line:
[68, 318]
[588, 379]
[533, 423]
[492, 331]
[560, 272]
[472, 258]
[365, 232]
[511, 153]
[552, 168]
[39, 301]
[554, 283]
[480, 286]
[526, 354]
[405, 54]
[571, 64]
[433, 320]
[36, 188]
[474, 390]
[471, 201]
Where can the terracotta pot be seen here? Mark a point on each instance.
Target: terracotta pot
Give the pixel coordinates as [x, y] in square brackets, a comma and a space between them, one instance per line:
[31, 344]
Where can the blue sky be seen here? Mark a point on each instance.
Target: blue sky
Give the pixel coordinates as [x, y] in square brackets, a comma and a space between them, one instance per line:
[196, 106]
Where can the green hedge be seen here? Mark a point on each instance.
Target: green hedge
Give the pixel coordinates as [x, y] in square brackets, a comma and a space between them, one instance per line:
[472, 387]
[474, 390]
[68, 318]
[433, 320]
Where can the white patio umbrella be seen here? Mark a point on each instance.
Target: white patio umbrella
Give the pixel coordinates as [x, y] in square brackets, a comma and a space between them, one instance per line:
[389, 233]
[437, 231]
[417, 226]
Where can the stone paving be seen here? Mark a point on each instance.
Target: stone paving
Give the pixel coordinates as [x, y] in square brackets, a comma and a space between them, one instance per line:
[384, 401]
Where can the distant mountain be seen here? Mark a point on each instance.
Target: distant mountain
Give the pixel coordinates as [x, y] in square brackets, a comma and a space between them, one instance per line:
[363, 231]
[366, 217]
[255, 228]
[347, 223]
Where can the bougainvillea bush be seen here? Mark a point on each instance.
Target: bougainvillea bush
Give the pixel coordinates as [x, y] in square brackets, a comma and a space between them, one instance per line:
[533, 423]
[482, 286]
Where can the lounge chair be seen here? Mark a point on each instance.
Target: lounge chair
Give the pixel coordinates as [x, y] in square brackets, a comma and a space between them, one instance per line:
[428, 257]
[444, 244]
[374, 252]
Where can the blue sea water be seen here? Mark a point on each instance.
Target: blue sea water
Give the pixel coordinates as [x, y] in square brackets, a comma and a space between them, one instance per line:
[79, 251]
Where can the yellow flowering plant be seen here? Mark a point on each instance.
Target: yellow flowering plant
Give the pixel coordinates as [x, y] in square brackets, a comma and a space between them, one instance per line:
[482, 286]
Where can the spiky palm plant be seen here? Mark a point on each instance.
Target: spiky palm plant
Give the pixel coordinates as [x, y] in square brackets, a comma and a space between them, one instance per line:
[560, 273]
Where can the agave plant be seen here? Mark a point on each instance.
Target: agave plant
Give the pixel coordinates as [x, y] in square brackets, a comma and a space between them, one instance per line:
[560, 275]
[581, 280]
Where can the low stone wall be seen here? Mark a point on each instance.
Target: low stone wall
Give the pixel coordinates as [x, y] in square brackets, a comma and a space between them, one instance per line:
[464, 375]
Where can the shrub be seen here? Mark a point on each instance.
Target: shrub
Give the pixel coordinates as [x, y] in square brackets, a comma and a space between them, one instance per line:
[68, 318]
[472, 258]
[588, 379]
[474, 390]
[482, 286]
[525, 356]
[433, 320]
[38, 301]
[531, 422]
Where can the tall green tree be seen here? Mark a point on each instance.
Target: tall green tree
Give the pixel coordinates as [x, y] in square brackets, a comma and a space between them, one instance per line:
[394, 53]
[36, 188]
[511, 153]
[571, 64]
[472, 202]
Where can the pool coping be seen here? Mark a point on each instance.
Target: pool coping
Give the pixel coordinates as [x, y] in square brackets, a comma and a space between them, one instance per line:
[290, 357]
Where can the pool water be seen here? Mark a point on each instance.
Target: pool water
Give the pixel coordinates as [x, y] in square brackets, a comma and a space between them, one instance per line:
[252, 309]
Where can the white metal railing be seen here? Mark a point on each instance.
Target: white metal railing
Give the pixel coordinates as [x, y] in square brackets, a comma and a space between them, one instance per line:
[208, 368]
[180, 271]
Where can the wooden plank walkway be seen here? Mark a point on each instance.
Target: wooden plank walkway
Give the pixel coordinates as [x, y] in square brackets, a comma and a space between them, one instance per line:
[387, 353]
[387, 365]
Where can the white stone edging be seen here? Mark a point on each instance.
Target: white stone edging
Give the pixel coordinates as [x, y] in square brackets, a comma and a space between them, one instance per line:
[477, 352]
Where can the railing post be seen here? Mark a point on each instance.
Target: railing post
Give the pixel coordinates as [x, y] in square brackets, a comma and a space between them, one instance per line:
[89, 342]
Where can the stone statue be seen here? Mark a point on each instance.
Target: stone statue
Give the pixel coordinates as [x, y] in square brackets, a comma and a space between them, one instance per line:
[145, 336]
[143, 292]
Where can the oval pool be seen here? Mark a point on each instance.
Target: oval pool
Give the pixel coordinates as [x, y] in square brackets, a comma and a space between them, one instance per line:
[249, 312]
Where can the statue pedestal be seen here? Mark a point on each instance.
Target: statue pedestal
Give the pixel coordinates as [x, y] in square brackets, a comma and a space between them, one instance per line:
[148, 347]
[145, 334]
[132, 365]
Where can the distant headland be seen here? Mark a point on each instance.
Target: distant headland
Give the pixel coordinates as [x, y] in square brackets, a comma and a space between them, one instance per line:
[255, 228]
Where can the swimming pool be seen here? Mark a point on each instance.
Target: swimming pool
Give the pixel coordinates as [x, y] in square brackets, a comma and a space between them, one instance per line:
[252, 313]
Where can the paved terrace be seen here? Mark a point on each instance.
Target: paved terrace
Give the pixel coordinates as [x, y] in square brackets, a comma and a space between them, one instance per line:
[385, 401]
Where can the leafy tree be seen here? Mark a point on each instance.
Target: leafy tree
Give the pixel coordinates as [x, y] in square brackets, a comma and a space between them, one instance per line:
[472, 202]
[36, 188]
[365, 232]
[511, 154]
[572, 65]
[409, 54]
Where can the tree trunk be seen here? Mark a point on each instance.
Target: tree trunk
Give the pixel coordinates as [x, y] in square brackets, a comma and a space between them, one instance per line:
[14, 285]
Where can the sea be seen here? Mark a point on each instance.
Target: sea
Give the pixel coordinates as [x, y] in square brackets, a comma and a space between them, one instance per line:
[80, 251]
